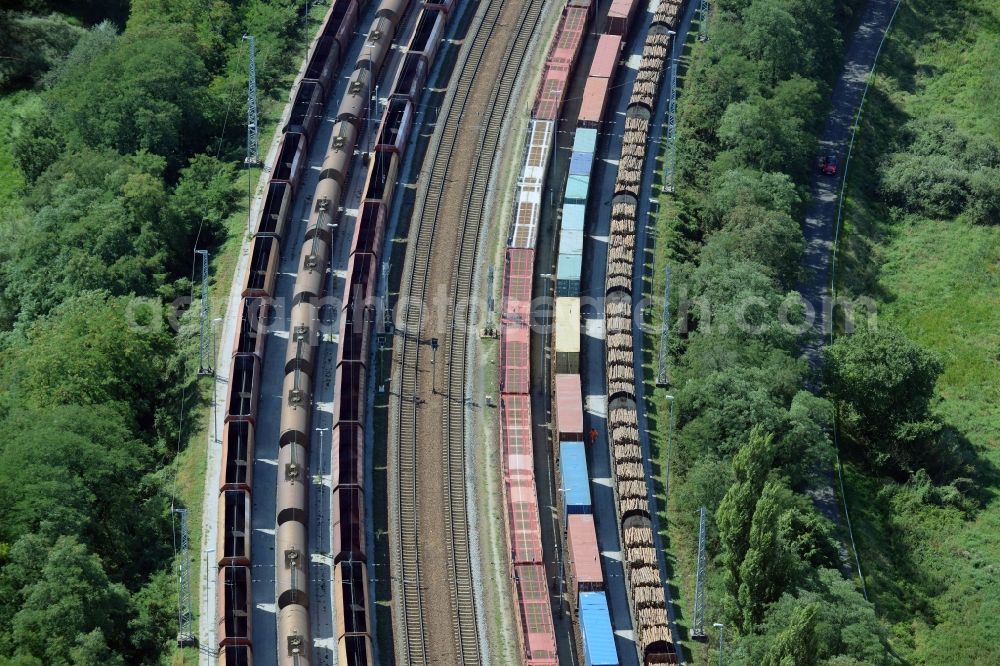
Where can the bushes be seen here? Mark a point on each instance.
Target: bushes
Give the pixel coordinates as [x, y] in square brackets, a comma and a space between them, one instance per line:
[884, 384]
[943, 173]
[30, 44]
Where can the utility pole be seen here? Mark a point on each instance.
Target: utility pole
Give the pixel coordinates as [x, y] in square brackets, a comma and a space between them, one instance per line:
[671, 161]
[205, 354]
[722, 641]
[662, 379]
[184, 635]
[252, 158]
[698, 625]
[703, 21]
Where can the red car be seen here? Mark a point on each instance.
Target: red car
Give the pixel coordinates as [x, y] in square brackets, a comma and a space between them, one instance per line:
[828, 165]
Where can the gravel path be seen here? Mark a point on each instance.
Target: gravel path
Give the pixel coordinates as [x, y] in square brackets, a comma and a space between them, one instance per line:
[821, 216]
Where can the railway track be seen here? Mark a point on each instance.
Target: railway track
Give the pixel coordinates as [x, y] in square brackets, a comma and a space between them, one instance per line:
[428, 213]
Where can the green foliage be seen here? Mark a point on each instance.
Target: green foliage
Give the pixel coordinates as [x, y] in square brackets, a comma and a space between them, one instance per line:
[766, 565]
[746, 187]
[111, 226]
[753, 102]
[751, 465]
[30, 44]
[38, 146]
[927, 540]
[885, 383]
[146, 94]
[944, 172]
[796, 645]
[829, 624]
[98, 40]
[108, 178]
[122, 360]
[71, 609]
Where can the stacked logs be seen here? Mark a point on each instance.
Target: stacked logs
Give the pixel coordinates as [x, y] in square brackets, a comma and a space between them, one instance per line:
[649, 607]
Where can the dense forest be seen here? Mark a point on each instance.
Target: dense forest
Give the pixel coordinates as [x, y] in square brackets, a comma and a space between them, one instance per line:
[754, 99]
[120, 149]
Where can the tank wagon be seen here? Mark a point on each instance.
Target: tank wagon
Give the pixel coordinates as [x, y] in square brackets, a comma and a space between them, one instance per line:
[348, 525]
[350, 550]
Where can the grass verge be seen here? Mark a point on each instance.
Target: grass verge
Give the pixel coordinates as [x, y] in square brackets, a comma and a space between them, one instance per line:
[932, 567]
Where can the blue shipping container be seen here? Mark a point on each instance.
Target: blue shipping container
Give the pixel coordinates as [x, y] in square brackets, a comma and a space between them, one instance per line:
[575, 478]
[585, 140]
[568, 275]
[573, 216]
[576, 189]
[595, 625]
[580, 163]
[571, 241]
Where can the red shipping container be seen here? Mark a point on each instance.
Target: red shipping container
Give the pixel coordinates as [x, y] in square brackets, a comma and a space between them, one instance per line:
[569, 408]
[595, 95]
[584, 556]
[606, 57]
[620, 16]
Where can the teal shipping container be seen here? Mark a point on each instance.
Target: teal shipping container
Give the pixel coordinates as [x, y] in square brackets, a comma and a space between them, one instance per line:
[576, 189]
[585, 140]
[568, 275]
[570, 242]
[573, 216]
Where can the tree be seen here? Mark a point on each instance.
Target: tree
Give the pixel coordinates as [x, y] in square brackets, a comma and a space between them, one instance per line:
[78, 470]
[746, 187]
[153, 613]
[37, 145]
[92, 350]
[762, 134]
[724, 406]
[148, 92]
[765, 568]
[91, 44]
[30, 44]
[805, 446]
[751, 465]
[885, 382]
[204, 196]
[753, 233]
[772, 38]
[70, 601]
[795, 645]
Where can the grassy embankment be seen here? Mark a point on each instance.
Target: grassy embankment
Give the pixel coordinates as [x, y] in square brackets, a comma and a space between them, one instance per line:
[932, 568]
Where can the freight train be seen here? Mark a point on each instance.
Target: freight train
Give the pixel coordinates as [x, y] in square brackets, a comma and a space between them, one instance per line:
[349, 551]
[631, 485]
[644, 579]
[587, 592]
[234, 609]
[536, 631]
